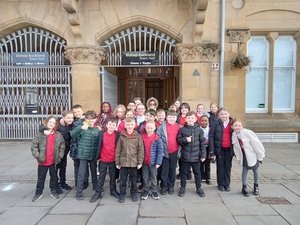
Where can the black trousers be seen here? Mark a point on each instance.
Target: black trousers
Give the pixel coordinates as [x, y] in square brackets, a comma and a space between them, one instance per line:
[205, 166]
[103, 166]
[61, 170]
[185, 169]
[168, 171]
[42, 173]
[224, 164]
[83, 168]
[124, 172]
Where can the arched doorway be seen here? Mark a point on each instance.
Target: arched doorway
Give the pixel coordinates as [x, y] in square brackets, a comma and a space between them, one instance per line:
[35, 81]
[142, 59]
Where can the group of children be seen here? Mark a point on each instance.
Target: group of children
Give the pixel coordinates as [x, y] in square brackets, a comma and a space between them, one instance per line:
[136, 141]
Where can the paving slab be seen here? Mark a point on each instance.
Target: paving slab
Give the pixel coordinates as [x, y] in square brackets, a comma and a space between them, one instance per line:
[261, 220]
[64, 220]
[289, 213]
[161, 221]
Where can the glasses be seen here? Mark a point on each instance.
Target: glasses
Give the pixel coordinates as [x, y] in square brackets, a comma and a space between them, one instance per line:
[152, 104]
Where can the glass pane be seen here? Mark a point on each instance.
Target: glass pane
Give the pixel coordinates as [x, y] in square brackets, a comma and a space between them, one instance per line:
[284, 52]
[256, 89]
[282, 93]
[257, 51]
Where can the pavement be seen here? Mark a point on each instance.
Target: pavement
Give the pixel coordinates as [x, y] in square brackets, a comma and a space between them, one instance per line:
[278, 203]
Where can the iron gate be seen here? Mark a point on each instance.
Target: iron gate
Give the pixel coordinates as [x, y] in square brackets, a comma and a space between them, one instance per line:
[30, 93]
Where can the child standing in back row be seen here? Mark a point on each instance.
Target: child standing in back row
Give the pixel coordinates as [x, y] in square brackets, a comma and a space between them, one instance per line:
[249, 152]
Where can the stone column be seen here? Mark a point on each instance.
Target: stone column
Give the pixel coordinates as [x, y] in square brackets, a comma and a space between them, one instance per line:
[86, 85]
[195, 72]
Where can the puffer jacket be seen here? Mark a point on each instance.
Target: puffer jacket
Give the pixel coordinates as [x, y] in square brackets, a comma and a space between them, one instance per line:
[74, 141]
[130, 150]
[253, 148]
[39, 143]
[88, 142]
[216, 136]
[156, 152]
[195, 150]
[162, 132]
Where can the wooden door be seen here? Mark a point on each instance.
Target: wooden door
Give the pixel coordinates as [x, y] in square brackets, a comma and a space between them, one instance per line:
[135, 88]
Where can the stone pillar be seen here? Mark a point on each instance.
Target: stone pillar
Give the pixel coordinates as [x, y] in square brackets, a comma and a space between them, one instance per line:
[86, 85]
[195, 72]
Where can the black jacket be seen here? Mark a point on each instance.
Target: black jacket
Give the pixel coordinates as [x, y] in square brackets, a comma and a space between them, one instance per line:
[216, 136]
[195, 150]
[100, 142]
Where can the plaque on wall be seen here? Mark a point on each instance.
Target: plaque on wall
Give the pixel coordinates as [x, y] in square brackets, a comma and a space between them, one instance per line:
[140, 58]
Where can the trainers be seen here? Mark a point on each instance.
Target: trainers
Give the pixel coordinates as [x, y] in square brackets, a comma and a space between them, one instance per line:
[115, 194]
[155, 195]
[37, 197]
[59, 191]
[79, 196]
[200, 192]
[134, 197]
[145, 195]
[208, 181]
[171, 191]
[65, 186]
[122, 199]
[181, 192]
[54, 195]
[96, 196]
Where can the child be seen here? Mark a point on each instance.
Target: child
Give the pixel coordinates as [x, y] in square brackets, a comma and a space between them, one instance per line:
[205, 166]
[105, 113]
[129, 158]
[128, 113]
[191, 139]
[249, 151]
[150, 115]
[119, 113]
[220, 144]
[168, 132]
[140, 111]
[213, 114]
[152, 160]
[161, 117]
[106, 155]
[152, 103]
[48, 150]
[88, 142]
[200, 112]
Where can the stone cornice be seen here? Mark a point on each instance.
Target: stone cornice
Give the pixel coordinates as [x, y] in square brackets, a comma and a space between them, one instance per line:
[196, 52]
[85, 55]
[238, 35]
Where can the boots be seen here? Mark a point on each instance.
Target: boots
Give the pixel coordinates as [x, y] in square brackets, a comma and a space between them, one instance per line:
[244, 191]
[255, 189]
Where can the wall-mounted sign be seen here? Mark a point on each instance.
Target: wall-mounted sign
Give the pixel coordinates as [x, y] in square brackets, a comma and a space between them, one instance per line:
[140, 58]
[30, 58]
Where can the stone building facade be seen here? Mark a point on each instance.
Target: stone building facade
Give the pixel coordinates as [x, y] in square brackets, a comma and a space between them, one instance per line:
[191, 59]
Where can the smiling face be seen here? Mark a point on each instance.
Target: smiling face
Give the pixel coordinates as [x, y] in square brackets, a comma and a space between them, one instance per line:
[150, 128]
[224, 115]
[190, 120]
[105, 108]
[51, 124]
[237, 126]
[78, 112]
[69, 118]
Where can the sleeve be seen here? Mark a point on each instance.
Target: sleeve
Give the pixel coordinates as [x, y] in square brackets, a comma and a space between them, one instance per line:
[211, 139]
[61, 146]
[236, 146]
[160, 152]
[202, 144]
[140, 151]
[181, 139]
[76, 132]
[256, 145]
[35, 147]
[42, 128]
[118, 152]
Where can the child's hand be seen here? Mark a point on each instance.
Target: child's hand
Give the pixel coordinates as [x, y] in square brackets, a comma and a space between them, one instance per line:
[62, 122]
[157, 166]
[189, 139]
[118, 166]
[47, 132]
[202, 159]
[139, 167]
[85, 126]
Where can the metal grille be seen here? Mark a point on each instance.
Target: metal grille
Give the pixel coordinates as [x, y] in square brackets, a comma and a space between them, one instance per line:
[30, 94]
[139, 38]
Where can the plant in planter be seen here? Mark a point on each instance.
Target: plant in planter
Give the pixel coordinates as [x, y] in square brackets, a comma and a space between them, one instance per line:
[240, 61]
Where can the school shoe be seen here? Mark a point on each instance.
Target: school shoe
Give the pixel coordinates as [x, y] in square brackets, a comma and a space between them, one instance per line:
[97, 196]
[181, 192]
[208, 181]
[134, 197]
[79, 196]
[171, 191]
[115, 194]
[144, 195]
[155, 196]
[255, 189]
[37, 197]
[200, 192]
[163, 191]
[221, 188]
[122, 199]
[65, 186]
[244, 191]
[227, 188]
[54, 195]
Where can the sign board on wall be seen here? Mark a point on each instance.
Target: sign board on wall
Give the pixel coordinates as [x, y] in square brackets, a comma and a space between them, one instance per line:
[30, 58]
[140, 58]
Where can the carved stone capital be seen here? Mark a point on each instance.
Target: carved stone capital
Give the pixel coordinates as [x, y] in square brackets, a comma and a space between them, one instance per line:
[238, 36]
[85, 55]
[196, 52]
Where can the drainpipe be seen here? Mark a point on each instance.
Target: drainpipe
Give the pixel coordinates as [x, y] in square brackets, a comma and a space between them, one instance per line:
[222, 54]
